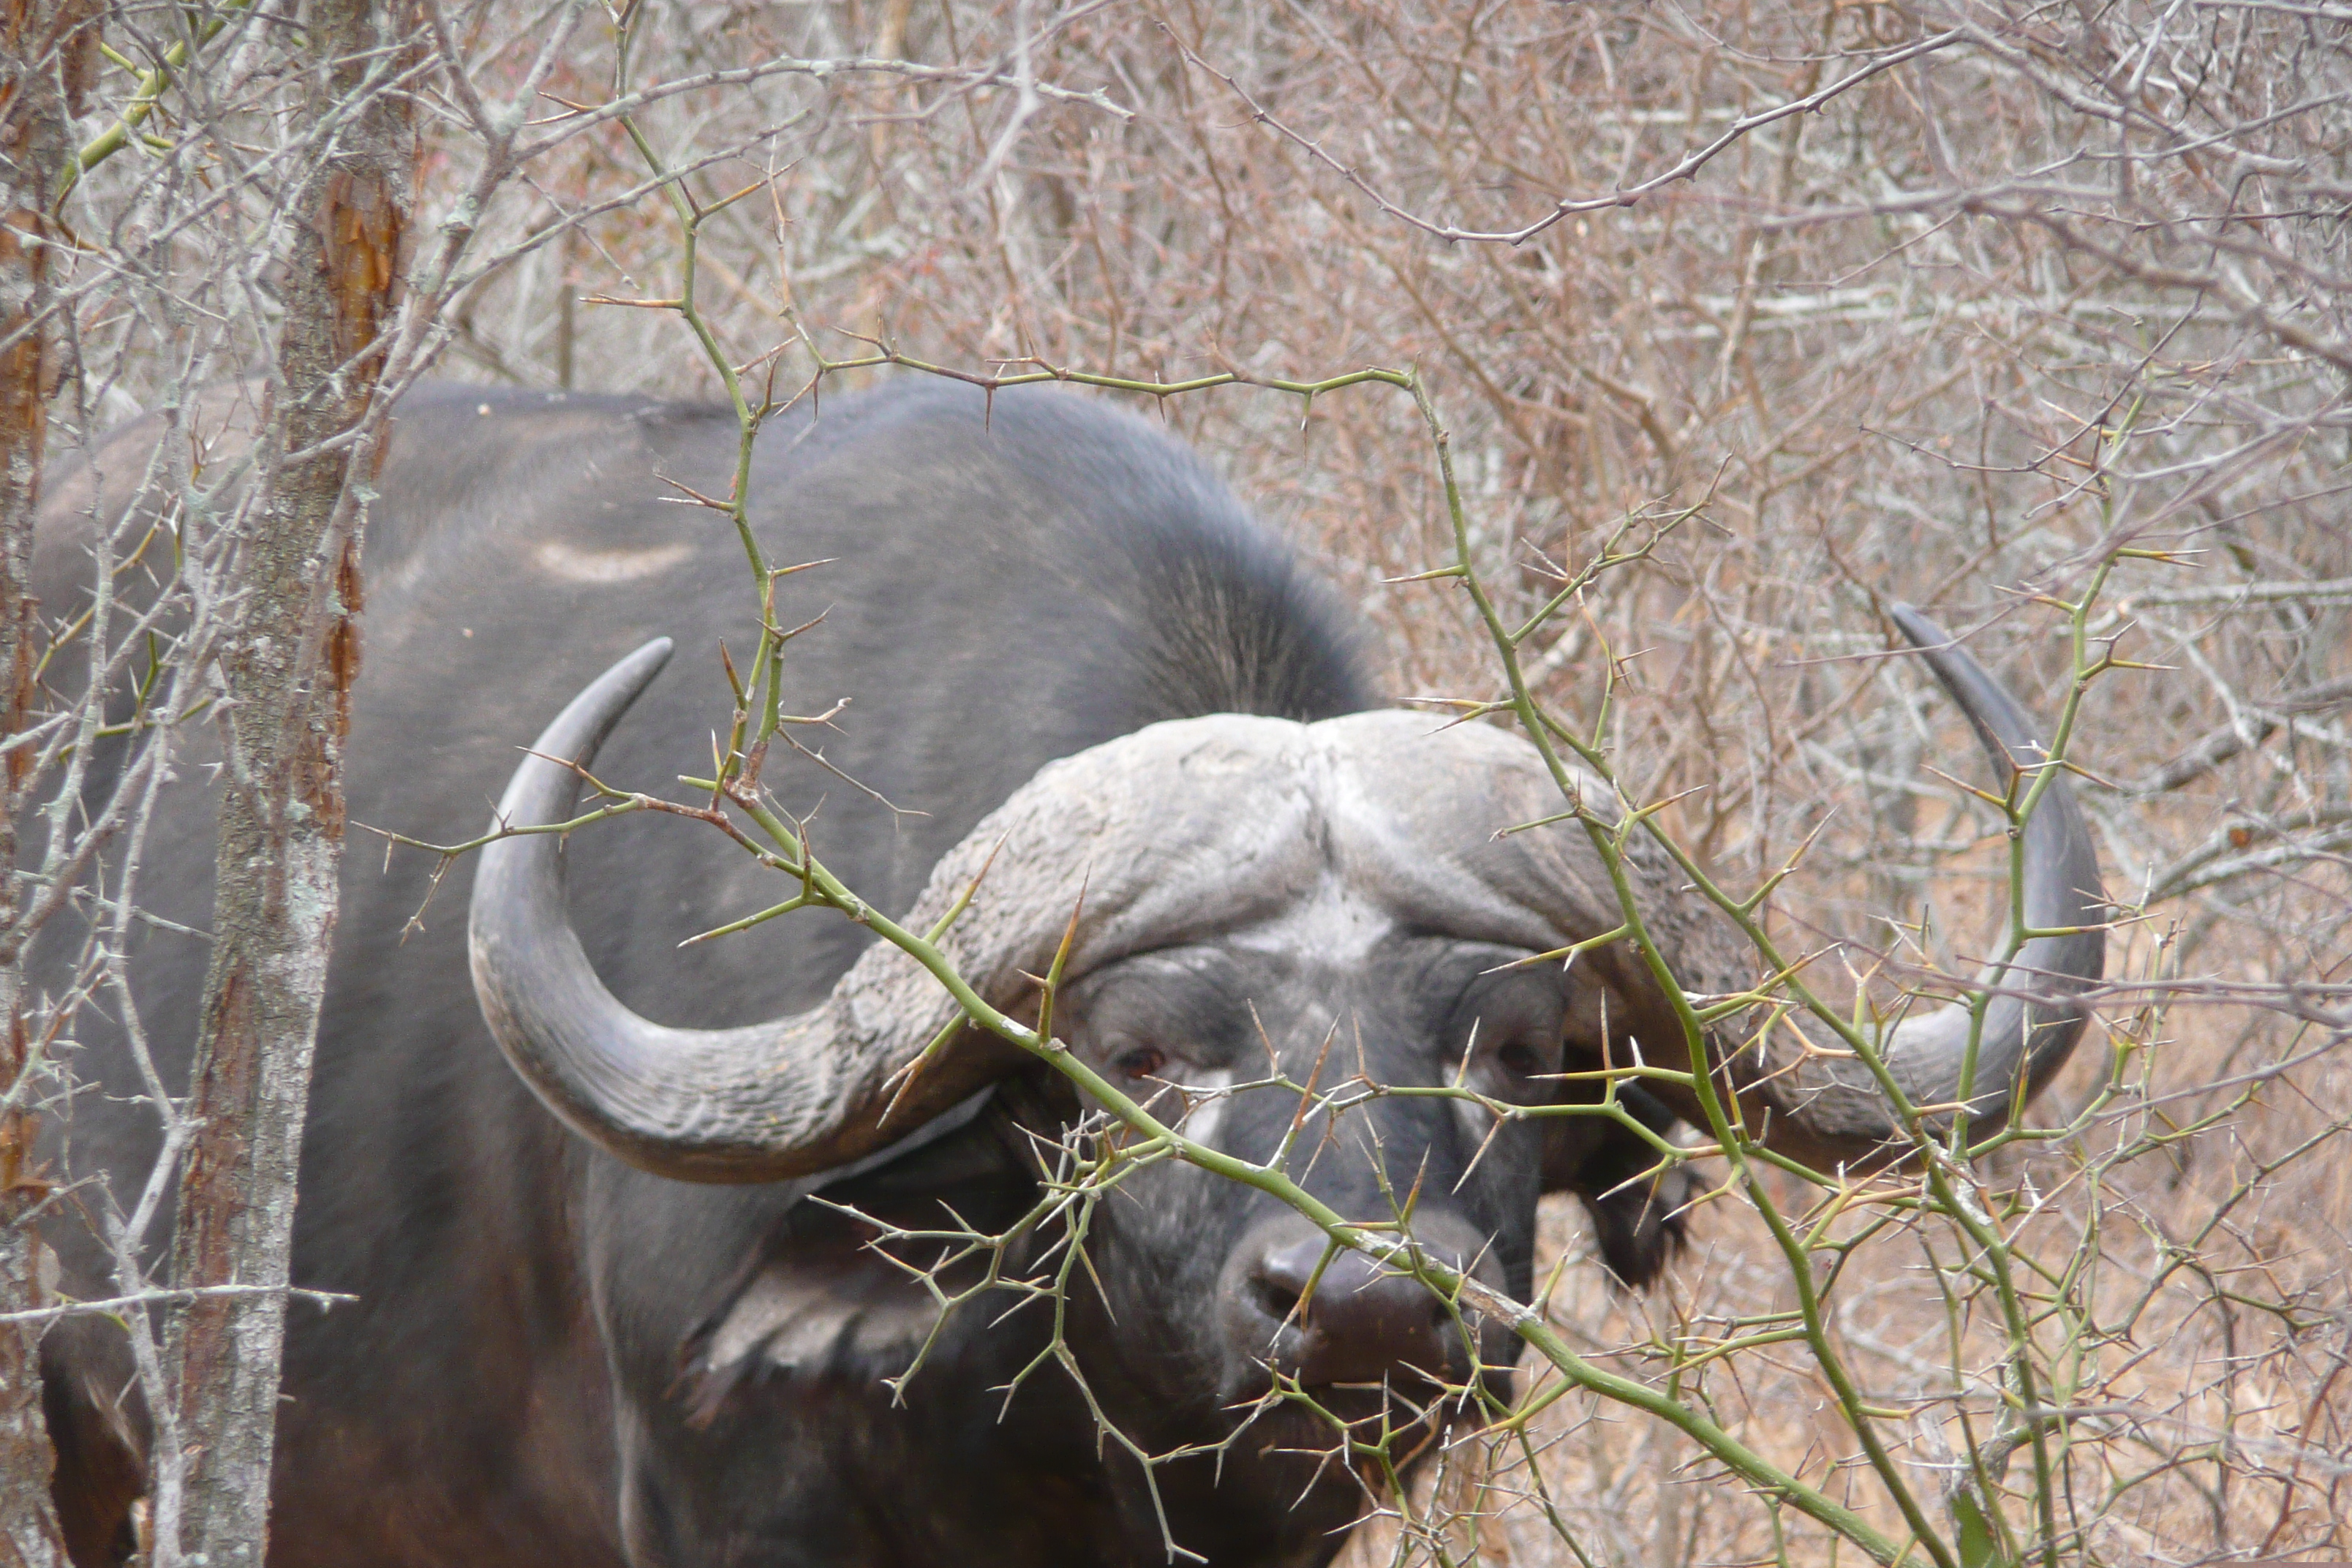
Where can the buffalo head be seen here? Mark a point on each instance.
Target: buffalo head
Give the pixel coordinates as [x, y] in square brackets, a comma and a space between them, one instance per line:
[1334, 904]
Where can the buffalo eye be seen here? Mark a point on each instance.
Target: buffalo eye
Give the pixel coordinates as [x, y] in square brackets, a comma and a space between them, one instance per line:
[1521, 1059]
[1140, 1061]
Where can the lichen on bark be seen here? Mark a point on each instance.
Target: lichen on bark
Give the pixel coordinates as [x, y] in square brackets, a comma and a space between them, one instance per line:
[47, 52]
[286, 671]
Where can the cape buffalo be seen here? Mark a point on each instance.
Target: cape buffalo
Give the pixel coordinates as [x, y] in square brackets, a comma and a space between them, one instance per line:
[620, 1333]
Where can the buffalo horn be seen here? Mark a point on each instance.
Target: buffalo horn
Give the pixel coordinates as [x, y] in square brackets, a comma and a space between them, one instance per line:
[761, 1103]
[1144, 832]
[1826, 1105]
[1192, 828]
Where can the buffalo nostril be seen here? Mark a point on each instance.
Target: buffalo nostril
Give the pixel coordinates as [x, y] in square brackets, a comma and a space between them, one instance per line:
[1275, 1297]
[1283, 1275]
[1359, 1323]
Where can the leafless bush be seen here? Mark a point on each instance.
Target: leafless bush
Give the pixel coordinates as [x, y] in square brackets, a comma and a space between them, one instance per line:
[1981, 307]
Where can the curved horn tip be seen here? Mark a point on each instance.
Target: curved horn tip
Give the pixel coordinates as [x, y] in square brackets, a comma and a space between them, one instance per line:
[588, 717]
[577, 733]
[627, 678]
[2008, 733]
[1922, 631]
[638, 667]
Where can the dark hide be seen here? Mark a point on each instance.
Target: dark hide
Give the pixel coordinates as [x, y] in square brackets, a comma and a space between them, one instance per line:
[557, 1359]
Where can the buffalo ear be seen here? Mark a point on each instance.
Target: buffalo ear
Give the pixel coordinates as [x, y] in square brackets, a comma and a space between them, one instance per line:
[1638, 1218]
[826, 1307]
[1640, 1227]
[813, 1300]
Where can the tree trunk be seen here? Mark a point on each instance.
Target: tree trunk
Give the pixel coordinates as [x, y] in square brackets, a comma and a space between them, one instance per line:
[47, 54]
[286, 668]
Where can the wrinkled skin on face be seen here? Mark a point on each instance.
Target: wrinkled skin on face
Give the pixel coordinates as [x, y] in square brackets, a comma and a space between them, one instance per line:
[1190, 1024]
[1218, 1282]
[1203, 1294]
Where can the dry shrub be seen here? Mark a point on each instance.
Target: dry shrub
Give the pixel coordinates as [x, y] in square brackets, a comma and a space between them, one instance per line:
[2018, 288]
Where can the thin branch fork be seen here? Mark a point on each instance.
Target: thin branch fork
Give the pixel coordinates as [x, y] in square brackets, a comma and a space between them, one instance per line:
[1686, 168]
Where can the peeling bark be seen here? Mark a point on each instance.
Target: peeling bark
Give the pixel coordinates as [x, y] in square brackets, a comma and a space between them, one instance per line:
[286, 670]
[47, 51]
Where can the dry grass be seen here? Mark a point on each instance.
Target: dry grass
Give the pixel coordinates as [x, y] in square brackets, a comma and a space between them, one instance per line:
[2073, 281]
